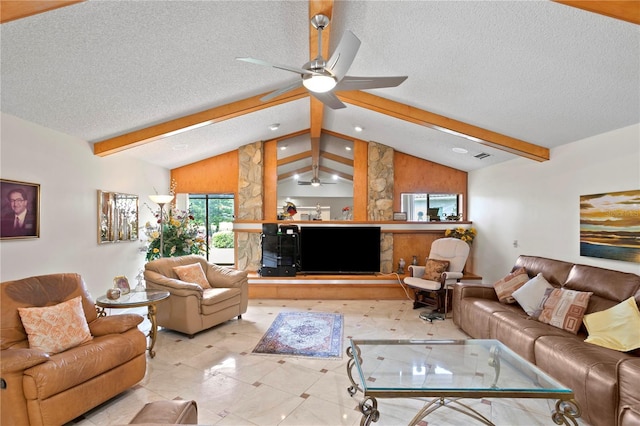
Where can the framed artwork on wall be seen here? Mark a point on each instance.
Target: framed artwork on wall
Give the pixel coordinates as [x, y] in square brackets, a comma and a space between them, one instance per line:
[610, 225]
[20, 206]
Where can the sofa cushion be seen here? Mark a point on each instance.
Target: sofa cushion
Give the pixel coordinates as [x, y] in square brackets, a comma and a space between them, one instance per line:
[434, 268]
[192, 274]
[54, 329]
[615, 328]
[554, 271]
[563, 308]
[531, 293]
[476, 313]
[507, 285]
[77, 365]
[519, 331]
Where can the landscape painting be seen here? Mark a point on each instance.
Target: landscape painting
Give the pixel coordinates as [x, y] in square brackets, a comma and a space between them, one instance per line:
[610, 225]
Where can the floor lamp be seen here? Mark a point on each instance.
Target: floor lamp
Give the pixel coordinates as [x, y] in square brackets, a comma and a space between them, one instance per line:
[161, 200]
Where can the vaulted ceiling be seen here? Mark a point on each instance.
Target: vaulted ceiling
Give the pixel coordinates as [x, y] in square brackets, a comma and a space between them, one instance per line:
[158, 80]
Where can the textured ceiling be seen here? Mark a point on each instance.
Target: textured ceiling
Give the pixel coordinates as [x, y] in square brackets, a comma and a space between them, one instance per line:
[538, 71]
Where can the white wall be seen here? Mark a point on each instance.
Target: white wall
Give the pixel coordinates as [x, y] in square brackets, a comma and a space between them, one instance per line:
[69, 176]
[537, 204]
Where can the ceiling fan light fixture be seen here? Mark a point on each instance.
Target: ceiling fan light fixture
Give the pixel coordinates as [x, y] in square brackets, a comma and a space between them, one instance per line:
[315, 182]
[319, 83]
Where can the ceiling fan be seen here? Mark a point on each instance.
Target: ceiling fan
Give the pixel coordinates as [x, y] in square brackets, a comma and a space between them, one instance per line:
[315, 181]
[322, 77]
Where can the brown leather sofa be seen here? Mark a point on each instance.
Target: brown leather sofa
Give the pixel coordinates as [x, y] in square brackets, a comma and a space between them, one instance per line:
[53, 389]
[606, 382]
[192, 308]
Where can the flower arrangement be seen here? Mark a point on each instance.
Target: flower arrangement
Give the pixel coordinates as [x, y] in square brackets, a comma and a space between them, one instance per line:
[346, 209]
[181, 236]
[466, 235]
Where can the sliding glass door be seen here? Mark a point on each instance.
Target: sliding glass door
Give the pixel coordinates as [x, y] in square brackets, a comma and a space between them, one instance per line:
[214, 214]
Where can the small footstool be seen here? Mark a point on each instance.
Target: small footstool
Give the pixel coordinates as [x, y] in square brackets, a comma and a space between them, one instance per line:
[176, 412]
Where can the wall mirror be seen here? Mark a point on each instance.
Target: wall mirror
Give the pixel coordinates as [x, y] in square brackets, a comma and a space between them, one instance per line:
[431, 207]
[117, 217]
[316, 175]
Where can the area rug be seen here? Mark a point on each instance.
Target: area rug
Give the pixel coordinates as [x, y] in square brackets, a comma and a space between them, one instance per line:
[303, 334]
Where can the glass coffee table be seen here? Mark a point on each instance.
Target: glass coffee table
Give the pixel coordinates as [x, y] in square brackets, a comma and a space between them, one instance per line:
[447, 371]
[136, 299]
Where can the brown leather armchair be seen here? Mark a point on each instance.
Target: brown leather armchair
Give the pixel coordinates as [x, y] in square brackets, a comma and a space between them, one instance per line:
[39, 388]
[192, 308]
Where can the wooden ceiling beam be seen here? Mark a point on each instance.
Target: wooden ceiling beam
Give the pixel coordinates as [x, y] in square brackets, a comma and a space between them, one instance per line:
[192, 121]
[324, 7]
[336, 172]
[293, 158]
[299, 171]
[11, 10]
[626, 10]
[337, 158]
[445, 124]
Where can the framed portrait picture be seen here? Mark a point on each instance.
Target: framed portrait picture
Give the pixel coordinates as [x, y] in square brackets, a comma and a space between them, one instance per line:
[20, 206]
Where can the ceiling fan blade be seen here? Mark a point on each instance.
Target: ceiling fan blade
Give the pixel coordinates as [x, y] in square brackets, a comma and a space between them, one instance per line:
[343, 56]
[278, 66]
[282, 90]
[303, 183]
[360, 83]
[329, 99]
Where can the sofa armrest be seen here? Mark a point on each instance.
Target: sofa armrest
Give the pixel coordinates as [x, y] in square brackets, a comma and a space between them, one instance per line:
[463, 290]
[114, 324]
[219, 276]
[628, 379]
[172, 285]
[15, 360]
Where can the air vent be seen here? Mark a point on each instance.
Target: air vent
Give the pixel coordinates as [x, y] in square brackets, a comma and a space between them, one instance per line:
[481, 155]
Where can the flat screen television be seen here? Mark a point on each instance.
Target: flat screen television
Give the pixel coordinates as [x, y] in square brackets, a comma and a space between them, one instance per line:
[339, 249]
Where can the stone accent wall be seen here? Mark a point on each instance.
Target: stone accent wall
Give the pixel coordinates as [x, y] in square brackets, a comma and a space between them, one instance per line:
[386, 252]
[250, 189]
[380, 178]
[250, 171]
[380, 197]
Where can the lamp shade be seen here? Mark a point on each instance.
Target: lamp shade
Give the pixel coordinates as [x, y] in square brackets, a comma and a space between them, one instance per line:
[161, 199]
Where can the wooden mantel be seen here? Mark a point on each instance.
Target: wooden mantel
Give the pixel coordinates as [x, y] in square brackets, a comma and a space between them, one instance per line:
[395, 227]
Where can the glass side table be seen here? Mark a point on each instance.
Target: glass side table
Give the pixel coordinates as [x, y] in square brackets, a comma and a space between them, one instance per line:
[136, 299]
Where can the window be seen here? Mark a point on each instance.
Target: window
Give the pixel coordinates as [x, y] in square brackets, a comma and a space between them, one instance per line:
[214, 213]
[430, 207]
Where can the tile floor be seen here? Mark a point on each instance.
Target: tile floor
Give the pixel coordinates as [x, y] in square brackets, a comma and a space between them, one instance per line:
[234, 387]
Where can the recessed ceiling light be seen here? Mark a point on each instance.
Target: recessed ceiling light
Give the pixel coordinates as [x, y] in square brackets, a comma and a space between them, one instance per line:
[283, 147]
[296, 176]
[348, 148]
[358, 128]
[335, 177]
[274, 126]
[459, 150]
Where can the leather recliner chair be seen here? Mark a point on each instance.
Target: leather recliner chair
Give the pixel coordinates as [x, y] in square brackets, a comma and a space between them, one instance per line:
[39, 388]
